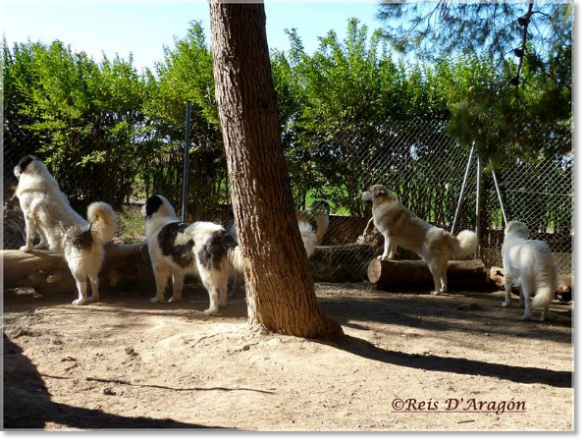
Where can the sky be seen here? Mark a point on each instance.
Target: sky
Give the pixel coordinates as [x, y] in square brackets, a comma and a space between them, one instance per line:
[143, 27]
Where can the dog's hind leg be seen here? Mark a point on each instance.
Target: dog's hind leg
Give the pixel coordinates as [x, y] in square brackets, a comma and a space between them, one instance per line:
[526, 293]
[30, 228]
[213, 301]
[436, 271]
[43, 244]
[95, 291]
[178, 279]
[81, 283]
[161, 276]
[508, 288]
[223, 292]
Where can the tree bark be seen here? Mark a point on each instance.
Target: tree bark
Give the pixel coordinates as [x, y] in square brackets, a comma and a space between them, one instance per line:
[393, 275]
[280, 291]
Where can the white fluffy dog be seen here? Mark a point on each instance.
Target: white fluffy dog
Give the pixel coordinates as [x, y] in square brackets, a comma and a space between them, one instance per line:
[530, 264]
[47, 210]
[403, 228]
[178, 249]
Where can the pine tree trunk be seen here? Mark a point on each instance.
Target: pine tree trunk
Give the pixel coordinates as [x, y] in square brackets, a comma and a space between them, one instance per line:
[280, 291]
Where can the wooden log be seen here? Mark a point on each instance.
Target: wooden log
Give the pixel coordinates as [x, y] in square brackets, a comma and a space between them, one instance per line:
[341, 263]
[48, 272]
[393, 275]
[564, 286]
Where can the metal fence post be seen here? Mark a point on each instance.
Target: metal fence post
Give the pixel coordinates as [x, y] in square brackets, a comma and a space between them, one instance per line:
[186, 161]
[478, 206]
[463, 187]
[499, 196]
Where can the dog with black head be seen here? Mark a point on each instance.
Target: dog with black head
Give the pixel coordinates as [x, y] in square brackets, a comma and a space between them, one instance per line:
[178, 249]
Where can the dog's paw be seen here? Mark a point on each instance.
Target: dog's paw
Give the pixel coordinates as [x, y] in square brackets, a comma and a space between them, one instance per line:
[82, 301]
[157, 300]
[41, 246]
[174, 299]
[25, 249]
[506, 304]
[382, 258]
[435, 292]
[210, 312]
[526, 317]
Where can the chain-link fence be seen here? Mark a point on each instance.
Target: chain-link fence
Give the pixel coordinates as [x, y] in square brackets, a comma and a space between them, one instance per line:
[417, 160]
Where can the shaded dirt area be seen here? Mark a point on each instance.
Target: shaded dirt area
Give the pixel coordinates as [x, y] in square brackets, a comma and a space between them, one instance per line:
[125, 363]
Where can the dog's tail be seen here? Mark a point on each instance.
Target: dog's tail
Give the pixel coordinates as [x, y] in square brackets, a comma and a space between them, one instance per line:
[309, 238]
[103, 221]
[546, 278]
[464, 244]
[236, 258]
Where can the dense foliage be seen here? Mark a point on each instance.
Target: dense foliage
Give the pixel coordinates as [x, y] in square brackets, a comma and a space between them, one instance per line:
[107, 130]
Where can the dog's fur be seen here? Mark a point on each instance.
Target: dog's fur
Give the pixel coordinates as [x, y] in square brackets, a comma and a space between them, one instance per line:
[530, 264]
[62, 230]
[401, 228]
[308, 236]
[317, 216]
[178, 249]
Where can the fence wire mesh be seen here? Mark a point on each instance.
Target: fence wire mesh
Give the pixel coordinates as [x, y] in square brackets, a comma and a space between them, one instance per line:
[417, 160]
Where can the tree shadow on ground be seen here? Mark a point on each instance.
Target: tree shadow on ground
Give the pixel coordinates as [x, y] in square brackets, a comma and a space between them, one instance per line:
[28, 404]
[522, 375]
[475, 313]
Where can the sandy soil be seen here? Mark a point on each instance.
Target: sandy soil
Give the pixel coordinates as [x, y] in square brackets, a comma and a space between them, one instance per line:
[125, 363]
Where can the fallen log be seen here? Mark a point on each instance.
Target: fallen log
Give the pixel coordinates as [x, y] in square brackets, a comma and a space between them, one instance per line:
[394, 275]
[341, 263]
[47, 272]
[564, 288]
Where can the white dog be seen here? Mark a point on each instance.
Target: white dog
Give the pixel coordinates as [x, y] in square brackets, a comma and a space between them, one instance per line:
[178, 249]
[402, 228]
[529, 264]
[308, 237]
[46, 210]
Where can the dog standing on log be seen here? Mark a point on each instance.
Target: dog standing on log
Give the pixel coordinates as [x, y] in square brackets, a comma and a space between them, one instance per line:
[62, 230]
[178, 249]
[400, 227]
[530, 264]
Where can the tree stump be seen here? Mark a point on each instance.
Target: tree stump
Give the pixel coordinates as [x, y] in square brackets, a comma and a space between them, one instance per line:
[393, 275]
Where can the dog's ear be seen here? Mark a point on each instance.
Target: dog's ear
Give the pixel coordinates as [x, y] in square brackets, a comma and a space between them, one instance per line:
[380, 191]
[24, 162]
[152, 205]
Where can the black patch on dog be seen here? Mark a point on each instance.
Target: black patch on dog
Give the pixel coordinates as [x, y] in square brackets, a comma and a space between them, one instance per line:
[182, 254]
[24, 162]
[84, 239]
[152, 205]
[215, 249]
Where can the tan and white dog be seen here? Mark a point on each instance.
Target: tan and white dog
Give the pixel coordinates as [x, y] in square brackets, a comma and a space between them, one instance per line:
[178, 249]
[401, 228]
[62, 230]
[530, 264]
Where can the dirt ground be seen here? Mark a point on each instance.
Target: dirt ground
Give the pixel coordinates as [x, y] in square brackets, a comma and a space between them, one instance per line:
[126, 363]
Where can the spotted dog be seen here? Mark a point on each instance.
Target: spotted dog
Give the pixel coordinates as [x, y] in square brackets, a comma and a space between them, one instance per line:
[47, 211]
[178, 249]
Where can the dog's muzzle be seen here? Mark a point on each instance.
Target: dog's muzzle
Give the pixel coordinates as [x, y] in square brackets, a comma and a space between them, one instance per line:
[366, 196]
